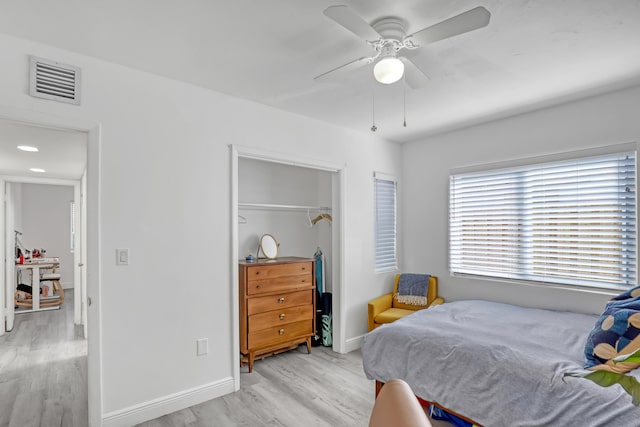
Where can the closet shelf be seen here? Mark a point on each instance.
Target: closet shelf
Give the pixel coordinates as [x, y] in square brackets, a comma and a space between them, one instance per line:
[273, 206]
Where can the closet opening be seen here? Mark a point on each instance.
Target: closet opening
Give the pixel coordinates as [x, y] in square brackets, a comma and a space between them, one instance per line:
[299, 203]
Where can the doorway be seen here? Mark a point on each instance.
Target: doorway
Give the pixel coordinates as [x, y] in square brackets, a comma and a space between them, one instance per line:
[84, 241]
[43, 226]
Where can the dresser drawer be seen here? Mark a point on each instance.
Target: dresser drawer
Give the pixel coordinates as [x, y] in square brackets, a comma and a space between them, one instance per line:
[280, 317]
[277, 334]
[277, 284]
[261, 272]
[278, 301]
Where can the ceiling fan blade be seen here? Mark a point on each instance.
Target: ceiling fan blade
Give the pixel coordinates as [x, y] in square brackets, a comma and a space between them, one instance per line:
[467, 21]
[346, 67]
[427, 62]
[346, 17]
[413, 75]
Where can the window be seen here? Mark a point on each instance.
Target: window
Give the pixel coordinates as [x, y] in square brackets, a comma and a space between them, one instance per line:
[385, 222]
[569, 222]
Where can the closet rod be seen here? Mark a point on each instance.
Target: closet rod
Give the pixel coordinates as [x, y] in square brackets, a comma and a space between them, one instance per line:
[282, 207]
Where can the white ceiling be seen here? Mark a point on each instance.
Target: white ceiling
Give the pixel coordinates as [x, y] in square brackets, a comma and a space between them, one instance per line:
[533, 53]
[62, 153]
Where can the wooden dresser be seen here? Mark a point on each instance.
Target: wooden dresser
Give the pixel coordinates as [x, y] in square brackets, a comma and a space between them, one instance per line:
[277, 305]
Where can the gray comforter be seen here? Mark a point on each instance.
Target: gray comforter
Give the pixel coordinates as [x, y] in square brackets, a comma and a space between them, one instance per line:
[498, 364]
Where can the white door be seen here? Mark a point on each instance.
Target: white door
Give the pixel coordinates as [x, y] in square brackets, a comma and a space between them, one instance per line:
[9, 252]
[77, 255]
[3, 258]
[83, 251]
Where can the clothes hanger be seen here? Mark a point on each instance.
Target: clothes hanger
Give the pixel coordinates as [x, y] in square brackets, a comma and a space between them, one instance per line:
[309, 222]
[320, 217]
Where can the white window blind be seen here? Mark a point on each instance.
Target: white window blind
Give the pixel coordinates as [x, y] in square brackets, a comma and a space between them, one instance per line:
[566, 222]
[385, 222]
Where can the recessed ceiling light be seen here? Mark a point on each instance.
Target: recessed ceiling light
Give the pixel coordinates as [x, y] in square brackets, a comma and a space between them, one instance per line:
[28, 148]
[39, 170]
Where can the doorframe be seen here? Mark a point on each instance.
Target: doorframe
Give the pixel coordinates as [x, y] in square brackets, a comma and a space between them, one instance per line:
[94, 323]
[3, 274]
[338, 247]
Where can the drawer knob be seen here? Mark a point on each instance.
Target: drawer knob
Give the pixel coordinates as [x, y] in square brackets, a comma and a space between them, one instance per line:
[258, 286]
[281, 332]
[280, 300]
[281, 316]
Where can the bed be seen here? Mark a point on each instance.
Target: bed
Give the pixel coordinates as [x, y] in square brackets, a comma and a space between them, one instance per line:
[498, 365]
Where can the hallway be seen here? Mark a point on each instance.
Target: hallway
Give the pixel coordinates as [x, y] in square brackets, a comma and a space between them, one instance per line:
[43, 370]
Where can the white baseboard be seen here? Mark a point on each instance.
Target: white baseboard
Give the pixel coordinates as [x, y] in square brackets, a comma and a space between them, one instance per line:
[353, 343]
[165, 405]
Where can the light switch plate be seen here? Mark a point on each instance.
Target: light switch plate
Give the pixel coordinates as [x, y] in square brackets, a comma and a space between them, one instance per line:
[202, 346]
[122, 256]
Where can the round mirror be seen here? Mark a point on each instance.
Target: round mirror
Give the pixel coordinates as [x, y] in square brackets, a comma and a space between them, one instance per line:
[269, 246]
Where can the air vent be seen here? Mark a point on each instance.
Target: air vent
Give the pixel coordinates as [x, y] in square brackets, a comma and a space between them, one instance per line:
[55, 81]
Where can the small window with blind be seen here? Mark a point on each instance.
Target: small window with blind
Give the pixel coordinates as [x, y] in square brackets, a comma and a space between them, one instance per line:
[385, 222]
[567, 222]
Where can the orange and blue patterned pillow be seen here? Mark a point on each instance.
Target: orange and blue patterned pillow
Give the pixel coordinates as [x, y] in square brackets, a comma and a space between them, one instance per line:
[617, 332]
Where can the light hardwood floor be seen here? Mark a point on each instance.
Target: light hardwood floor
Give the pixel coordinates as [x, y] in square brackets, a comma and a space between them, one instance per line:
[43, 374]
[290, 389]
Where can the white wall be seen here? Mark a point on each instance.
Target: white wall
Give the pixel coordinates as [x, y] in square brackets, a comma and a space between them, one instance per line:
[593, 122]
[165, 195]
[46, 224]
[275, 183]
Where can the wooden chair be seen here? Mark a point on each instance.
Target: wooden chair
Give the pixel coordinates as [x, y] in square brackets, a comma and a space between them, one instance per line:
[386, 309]
[54, 278]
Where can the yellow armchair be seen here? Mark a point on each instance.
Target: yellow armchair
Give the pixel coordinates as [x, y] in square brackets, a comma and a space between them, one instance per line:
[385, 309]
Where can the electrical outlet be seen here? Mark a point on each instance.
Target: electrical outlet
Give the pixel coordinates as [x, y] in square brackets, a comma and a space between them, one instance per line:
[202, 346]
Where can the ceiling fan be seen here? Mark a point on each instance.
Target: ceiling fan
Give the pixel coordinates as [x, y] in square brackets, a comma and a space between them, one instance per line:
[393, 47]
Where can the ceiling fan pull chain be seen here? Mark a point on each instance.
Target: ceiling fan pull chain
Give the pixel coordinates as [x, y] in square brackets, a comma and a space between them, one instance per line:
[373, 109]
[404, 99]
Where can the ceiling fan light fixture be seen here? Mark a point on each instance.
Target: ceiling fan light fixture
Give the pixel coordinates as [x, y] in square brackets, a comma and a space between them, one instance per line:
[388, 70]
